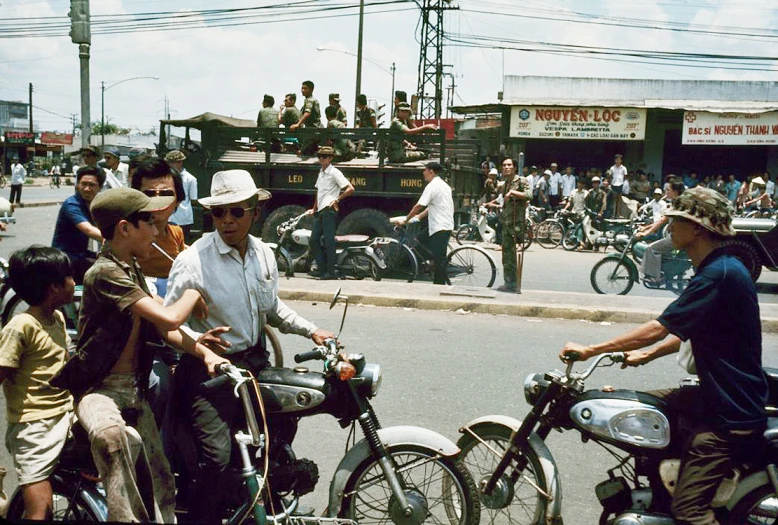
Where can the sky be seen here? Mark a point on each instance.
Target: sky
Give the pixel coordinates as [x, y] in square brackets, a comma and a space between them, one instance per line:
[227, 70]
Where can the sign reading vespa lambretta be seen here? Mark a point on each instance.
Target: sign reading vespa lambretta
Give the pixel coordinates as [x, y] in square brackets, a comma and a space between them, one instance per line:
[741, 129]
[578, 123]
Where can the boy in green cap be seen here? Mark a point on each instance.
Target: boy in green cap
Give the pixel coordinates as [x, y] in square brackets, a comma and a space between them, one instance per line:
[108, 376]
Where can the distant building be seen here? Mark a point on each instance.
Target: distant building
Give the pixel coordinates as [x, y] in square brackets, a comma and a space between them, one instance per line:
[661, 126]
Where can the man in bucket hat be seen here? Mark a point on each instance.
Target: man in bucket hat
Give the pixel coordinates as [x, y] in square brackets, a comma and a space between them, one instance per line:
[237, 274]
[718, 311]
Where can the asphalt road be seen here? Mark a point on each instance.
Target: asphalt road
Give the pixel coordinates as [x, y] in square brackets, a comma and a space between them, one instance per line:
[41, 193]
[442, 370]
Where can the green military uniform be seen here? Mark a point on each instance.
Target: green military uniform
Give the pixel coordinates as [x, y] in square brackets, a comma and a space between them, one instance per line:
[344, 148]
[311, 105]
[267, 118]
[395, 148]
[513, 220]
[291, 116]
[341, 116]
[364, 117]
[594, 199]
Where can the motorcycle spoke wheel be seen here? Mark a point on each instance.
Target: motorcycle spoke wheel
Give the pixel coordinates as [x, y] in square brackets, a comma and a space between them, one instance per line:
[469, 266]
[438, 488]
[518, 503]
[466, 233]
[758, 507]
[611, 276]
[64, 508]
[570, 240]
[549, 233]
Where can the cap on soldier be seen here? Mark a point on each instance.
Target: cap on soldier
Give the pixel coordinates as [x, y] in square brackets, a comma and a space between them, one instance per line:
[403, 106]
[111, 206]
[91, 149]
[112, 151]
[175, 155]
[325, 151]
[335, 97]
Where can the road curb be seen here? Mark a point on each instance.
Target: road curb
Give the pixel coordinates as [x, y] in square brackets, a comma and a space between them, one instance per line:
[595, 315]
[37, 204]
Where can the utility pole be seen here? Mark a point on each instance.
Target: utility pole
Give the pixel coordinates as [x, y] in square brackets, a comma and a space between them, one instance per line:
[430, 90]
[80, 33]
[31, 131]
[359, 55]
[73, 120]
[167, 115]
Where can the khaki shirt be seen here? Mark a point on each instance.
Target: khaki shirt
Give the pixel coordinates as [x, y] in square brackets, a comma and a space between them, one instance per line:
[515, 210]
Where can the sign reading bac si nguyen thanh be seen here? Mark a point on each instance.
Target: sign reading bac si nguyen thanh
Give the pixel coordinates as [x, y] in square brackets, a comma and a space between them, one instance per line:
[740, 129]
[578, 123]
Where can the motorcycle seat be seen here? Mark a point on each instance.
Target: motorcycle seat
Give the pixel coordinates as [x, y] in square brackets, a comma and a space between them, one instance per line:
[617, 221]
[77, 452]
[352, 239]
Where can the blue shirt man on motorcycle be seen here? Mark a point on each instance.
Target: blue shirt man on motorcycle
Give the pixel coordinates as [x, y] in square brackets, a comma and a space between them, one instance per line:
[719, 313]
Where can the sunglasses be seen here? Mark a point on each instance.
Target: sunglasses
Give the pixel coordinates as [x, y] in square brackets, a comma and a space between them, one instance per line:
[235, 212]
[160, 193]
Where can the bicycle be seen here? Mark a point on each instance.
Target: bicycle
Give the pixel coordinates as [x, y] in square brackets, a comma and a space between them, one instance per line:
[54, 182]
[406, 257]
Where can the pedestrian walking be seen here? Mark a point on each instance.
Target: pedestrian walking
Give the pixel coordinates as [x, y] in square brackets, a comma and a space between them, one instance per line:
[18, 174]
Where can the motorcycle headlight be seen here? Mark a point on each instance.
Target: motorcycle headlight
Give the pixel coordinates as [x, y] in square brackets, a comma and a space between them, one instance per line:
[371, 378]
[534, 386]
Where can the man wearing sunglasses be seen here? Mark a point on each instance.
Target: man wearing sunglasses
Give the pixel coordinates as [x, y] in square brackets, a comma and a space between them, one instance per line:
[331, 188]
[237, 275]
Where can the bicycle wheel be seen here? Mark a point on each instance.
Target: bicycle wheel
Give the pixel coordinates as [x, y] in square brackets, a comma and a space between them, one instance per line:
[549, 233]
[439, 489]
[611, 276]
[400, 261]
[570, 240]
[466, 232]
[65, 506]
[470, 266]
[277, 355]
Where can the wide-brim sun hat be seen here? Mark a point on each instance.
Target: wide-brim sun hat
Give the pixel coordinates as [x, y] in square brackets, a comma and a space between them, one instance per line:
[706, 207]
[657, 191]
[758, 181]
[493, 171]
[232, 187]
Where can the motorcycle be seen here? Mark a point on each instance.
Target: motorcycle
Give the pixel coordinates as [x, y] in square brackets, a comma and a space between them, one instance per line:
[478, 228]
[355, 255]
[616, 274]
[519, 481]
[605, 232]
[402, 474]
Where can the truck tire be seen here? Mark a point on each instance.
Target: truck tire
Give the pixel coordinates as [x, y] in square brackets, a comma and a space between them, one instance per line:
[367, 221]
[747, 254]
[277, 216]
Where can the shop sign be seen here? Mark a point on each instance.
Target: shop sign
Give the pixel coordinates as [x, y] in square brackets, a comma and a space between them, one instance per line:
[730, 129]
[19, 137]
[57, 139]
[578, 123]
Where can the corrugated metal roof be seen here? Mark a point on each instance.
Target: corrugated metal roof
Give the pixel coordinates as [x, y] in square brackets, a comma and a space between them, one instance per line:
[199, 120]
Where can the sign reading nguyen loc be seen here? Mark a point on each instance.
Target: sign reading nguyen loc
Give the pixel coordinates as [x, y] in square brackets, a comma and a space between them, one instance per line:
[740, 129]
[578, 123]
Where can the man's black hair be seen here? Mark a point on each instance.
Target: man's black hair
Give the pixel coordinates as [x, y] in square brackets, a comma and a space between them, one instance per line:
[93, 171]
[402, 96]
[269, 100]
[362, 99]
[330, 112]
[155, 169]
[434, 166]
[293, 96]
[515, 163]
[137, 161]
[33, 269]
[677, 186]
[309, 84]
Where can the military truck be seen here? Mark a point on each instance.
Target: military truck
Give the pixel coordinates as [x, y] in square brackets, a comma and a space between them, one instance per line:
[382, 189]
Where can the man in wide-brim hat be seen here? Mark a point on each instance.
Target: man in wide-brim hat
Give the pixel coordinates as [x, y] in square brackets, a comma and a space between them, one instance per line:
[236, 273]
[719, 313]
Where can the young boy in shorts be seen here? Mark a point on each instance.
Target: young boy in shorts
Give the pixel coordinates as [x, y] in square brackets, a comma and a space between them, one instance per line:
[109, 374]
[33, 347]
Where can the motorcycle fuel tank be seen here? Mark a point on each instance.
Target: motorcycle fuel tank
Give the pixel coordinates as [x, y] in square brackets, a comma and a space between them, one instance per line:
[301, 236]
[622, 421]
[287, 390]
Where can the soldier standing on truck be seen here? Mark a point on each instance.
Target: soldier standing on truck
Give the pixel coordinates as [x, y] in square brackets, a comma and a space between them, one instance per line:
[288, 114]
[365, 117]
[267, 115]
[399, 149]
[311, 118]
[341, 113]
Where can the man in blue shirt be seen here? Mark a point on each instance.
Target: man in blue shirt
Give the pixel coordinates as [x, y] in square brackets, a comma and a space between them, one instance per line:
[75, 227]
[719, 313]
[732, 187]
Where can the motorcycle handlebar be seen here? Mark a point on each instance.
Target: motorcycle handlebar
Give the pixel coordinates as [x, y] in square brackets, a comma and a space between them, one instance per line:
[308, 356]
[222, 377]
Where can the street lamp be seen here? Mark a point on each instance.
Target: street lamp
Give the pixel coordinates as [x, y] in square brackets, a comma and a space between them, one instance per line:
[391, 71]
[103, 89]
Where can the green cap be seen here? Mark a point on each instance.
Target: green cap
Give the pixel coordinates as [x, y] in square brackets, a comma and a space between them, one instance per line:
[111, 206]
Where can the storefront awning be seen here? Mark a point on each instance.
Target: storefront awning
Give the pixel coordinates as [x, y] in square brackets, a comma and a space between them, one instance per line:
[712, 106]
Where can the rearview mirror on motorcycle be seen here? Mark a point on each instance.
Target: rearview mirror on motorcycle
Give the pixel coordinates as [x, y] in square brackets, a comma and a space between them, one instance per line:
[336, 298]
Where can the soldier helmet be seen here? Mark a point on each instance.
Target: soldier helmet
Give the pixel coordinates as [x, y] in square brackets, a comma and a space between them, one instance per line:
[706, 207]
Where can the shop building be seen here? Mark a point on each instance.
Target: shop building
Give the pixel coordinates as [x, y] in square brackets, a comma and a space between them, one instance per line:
[660, 126]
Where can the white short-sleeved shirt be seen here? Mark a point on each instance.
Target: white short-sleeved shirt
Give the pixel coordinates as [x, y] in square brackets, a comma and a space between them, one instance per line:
[184, 215]
[328, 186]
[437, 198]
[618, 173]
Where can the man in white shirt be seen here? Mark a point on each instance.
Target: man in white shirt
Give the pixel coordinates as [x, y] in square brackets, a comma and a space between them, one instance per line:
[770, 185]
[554, 183]
[114, 164]
[532, 179]
[89, 155]
[18, 174]
[618, 175]
[656, 206]
[236, 274]
[183, 216]
[439, 204]
[331, 188]
[568, 182]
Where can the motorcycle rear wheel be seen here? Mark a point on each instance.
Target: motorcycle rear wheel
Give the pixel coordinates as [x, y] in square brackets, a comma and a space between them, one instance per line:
[611, 276]
[439, 488]
[757, 507]
[516, 504]
[467, 233]
[66, 506]
[570, 240]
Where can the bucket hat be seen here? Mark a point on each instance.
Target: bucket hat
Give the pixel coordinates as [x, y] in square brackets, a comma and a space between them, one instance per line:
[232, 186]
[706, 207]
[174, 155]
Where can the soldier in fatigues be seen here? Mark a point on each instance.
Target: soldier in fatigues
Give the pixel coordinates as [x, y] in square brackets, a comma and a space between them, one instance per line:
[516, 196]
[289, 115]
[365, 117]
[341, 113]
[311, 118]
[398, 148]
[345, 149]
[267, 117]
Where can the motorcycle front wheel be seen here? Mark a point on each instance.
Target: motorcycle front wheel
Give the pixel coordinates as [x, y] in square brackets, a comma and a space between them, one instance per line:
[611, 276]
[438, 489]
[759, 506]
[570, 240]
[467, 233]
[517, 498]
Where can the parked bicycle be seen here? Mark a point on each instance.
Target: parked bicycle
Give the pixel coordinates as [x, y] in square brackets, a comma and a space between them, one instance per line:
[552, 232]
[406, 258]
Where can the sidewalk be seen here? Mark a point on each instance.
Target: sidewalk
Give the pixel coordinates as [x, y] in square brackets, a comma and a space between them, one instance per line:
[530, 303]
